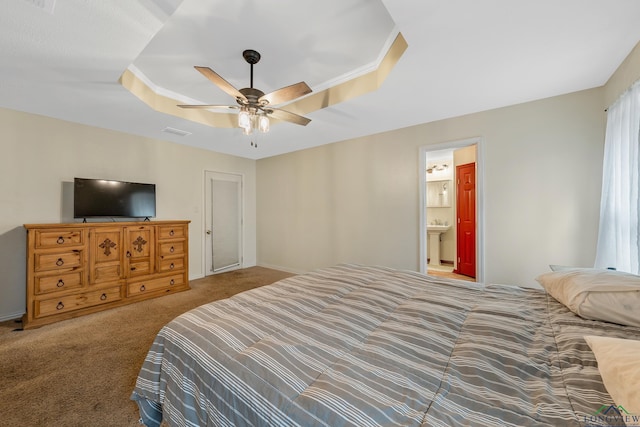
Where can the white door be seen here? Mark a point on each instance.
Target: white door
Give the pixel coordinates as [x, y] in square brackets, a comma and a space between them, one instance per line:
[223, 222]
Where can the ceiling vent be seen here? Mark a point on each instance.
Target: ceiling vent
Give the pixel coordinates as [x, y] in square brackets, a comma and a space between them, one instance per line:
[176, 131]
[46, 5]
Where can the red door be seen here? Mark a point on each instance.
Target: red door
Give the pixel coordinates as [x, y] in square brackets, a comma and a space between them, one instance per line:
[466, 213]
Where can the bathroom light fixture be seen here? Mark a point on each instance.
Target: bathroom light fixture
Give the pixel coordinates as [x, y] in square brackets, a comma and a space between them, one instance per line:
[437, 167]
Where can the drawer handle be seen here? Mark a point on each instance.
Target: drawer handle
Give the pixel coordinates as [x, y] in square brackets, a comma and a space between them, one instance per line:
[171, 266]
[172, 282]
[59, 262]
[60, 283]
[171, 233]
[60, 306]
[133, 268]
[128, 254]
[103, 297]
[60, 240]
[172, 249]
[143, 288]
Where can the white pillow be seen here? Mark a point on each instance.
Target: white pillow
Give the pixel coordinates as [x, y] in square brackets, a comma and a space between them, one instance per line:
[619, 366]
[612, 296]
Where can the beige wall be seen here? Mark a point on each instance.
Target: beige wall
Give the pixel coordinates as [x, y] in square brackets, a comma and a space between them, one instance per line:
[627, 73]
[465, 155]
[354, 201]
[40, 155]
[358, 201]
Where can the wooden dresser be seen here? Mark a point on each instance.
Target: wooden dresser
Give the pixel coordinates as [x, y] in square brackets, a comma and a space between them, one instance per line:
[80, 268]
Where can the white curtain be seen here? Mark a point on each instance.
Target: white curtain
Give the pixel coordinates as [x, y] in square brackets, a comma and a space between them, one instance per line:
[618, 237]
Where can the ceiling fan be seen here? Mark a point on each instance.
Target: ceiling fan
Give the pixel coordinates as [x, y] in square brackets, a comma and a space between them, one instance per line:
[255, 106]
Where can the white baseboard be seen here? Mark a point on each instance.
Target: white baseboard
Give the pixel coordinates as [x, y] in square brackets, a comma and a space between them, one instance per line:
[197, 276]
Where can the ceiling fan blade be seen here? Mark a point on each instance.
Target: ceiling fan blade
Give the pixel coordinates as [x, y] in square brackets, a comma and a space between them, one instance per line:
[287, 93]
[206, 106]
[287, 116]
[220, 82]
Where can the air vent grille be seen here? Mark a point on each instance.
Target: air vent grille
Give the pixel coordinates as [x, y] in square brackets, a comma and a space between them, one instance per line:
[176, 131]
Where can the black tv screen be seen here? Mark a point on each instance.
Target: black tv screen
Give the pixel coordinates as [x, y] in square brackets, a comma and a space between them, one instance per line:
[105, 198]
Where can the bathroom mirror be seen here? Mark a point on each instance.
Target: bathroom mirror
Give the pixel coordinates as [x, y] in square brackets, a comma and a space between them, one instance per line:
[438, 194]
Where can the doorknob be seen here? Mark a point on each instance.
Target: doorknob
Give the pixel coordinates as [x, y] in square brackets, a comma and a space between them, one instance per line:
[208, 231]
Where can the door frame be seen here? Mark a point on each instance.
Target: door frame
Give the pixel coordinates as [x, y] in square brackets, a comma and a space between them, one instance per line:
[480, 214]
[206, 211]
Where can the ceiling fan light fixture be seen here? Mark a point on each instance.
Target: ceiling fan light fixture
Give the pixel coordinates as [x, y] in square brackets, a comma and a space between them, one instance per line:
[248, 120]
[244, 119]
[252, 102]
[263, 123]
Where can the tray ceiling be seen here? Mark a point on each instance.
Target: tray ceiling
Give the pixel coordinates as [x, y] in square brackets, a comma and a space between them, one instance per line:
[64, 59]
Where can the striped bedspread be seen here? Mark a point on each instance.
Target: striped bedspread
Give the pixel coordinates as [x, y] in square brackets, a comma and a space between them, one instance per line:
[369, 346]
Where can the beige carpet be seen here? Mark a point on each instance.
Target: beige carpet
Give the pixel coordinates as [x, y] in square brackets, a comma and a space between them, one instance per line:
[81, 372]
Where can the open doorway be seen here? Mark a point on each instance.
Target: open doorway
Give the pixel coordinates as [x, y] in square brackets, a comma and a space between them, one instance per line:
[451, 227]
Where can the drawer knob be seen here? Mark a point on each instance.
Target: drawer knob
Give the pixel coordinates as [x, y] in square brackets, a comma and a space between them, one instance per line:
[171, 266]
[60, 283]
[128, 254]
[171, 233]
[59, 262]
[143, 288]
[172, 282]
[60, 240]
[103, 297]
[171, 249]
[60, 306]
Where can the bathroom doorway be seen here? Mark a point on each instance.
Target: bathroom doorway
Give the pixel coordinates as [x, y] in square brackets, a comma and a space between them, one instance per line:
[443, 239]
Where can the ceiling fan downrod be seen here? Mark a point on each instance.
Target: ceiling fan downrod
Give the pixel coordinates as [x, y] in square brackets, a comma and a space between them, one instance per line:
[252, 57]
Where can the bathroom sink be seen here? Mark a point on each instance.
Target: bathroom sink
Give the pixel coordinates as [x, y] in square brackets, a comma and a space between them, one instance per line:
[438, 228]
[434, 232]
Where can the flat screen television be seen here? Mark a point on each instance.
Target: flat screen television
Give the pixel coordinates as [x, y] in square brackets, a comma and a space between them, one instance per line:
[106, 198]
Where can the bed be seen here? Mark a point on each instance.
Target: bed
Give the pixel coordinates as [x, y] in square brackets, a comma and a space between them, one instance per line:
[355, 345]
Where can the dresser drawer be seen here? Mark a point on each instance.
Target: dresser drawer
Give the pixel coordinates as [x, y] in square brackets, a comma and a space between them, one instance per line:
[171, 264]
[76, 268]
[58, 238]
[106, 273]
[57, 260]
[59, 282]
[48, 307]
[171, 248]
[151, 285]
[171, 232]
[139, 268]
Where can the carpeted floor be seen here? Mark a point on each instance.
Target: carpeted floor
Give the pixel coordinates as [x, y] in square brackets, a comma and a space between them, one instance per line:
[81, 372]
